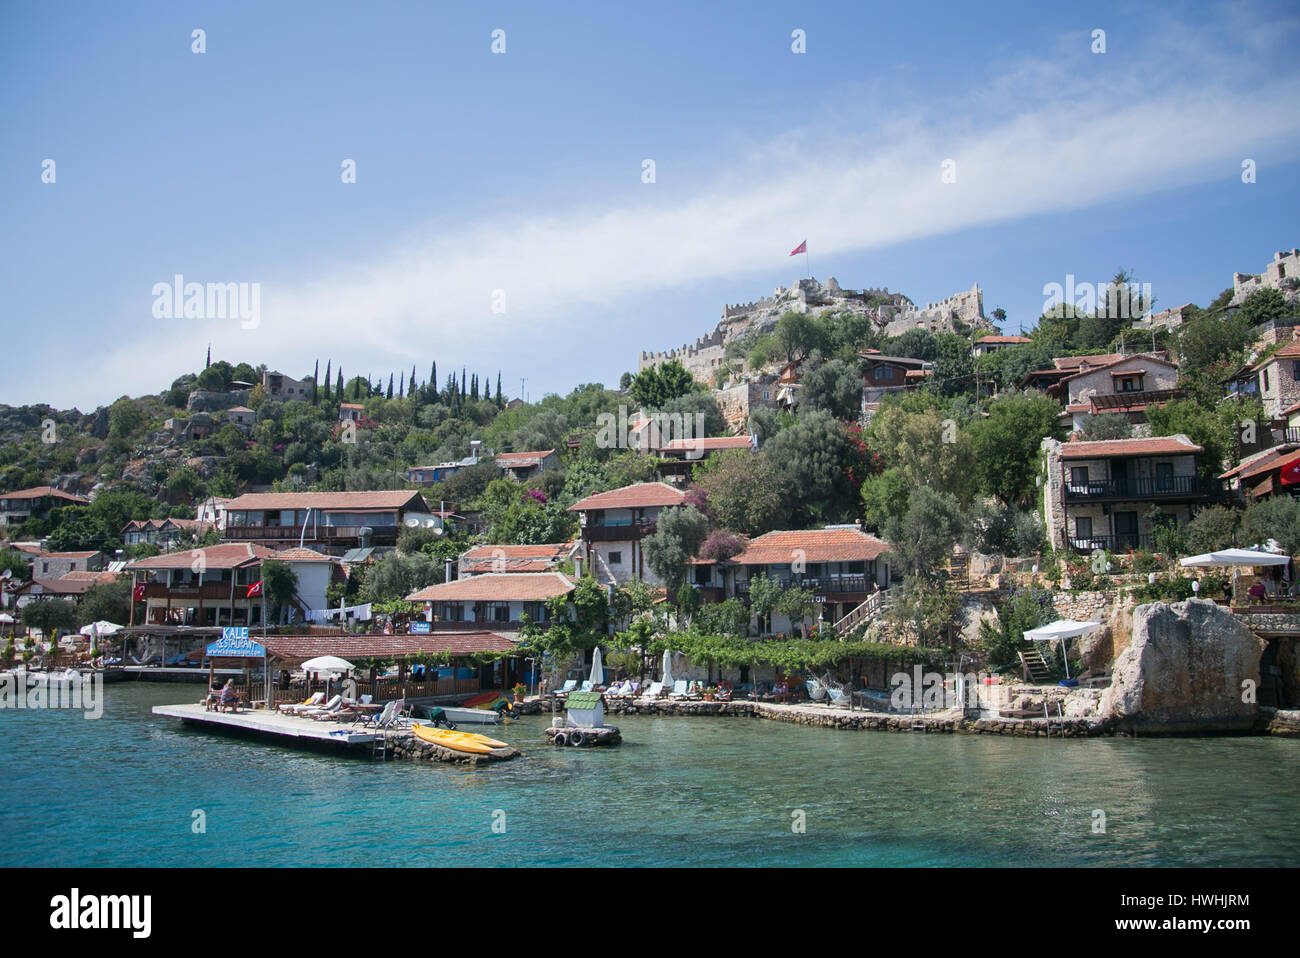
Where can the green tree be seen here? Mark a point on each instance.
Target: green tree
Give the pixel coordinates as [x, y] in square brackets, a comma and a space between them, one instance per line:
[797, 334]
[744, 491]
[1276, 518]
[815, 455]
[50, 615]
[657, 385]
[105, 602]
[922, 538]
[1211, 529]
[1264, 304]
[1106, 426]
[279, 585]
[675, 541]
[835, 387]
[1006, 445]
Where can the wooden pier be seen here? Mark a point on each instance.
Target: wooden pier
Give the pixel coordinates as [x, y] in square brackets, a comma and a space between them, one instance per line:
[271, 724]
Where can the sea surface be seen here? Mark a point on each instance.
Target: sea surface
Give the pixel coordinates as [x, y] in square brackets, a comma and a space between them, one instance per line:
[124, 791]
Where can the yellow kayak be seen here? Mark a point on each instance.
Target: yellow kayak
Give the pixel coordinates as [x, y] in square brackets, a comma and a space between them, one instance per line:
[459, 741]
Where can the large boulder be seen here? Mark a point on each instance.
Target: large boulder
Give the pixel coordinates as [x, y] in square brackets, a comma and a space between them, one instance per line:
[1183, 671]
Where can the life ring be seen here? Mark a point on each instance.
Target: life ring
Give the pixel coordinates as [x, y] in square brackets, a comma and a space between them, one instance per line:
[577, 739]
[561, 738]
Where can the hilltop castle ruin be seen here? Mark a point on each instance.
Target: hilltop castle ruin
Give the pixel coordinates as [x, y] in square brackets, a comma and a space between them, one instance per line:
[893, 313]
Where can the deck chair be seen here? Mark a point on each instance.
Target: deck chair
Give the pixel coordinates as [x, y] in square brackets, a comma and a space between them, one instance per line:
[382, 719]
[681, 690]
[655, 690]
[569, 686]
[839, 698]
[587, 687]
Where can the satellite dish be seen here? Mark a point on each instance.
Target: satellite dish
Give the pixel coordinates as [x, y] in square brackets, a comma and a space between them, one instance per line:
[412, 522]
[431, 523]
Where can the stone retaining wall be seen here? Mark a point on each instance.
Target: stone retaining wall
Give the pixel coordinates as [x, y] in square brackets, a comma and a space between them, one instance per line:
[404, 745]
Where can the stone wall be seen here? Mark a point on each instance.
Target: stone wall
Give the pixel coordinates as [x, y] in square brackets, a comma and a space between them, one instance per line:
[1285, 265]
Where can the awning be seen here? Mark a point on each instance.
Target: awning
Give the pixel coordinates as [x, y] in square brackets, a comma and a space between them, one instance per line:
[1060, 629]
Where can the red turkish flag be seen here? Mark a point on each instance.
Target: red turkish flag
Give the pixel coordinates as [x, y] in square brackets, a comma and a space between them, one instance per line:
[138, 592]
[1290, 474]
[254, 590]
[801, 248]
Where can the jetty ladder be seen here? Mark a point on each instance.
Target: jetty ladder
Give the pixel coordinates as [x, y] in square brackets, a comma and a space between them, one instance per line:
[379, 746]
[1056, 721]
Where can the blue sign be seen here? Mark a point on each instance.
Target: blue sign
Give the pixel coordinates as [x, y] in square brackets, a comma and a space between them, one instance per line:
[235, 646]
[421, 628]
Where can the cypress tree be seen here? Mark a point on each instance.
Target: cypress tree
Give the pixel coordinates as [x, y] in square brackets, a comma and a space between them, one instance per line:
[327, 379]
[390, 386]
[339, 391]
[499, 402]
[315, 378]
[462, 382]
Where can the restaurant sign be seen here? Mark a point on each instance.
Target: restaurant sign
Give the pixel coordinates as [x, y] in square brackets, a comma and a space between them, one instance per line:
[235, 644]
[420, 628]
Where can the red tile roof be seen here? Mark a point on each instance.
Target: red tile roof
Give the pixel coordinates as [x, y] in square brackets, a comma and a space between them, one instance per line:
[812, 545]
[353, 647]
[1004, 339]
[1262, 461]
[75, 583]
[1290, 351]
[709, 445]
[1092, 368]
[337, 501]
[639, 495]
[68, 555]
[497, 587]
[226, 556]
[1162, 446]
[301, 555]
[40, 492]
[1097, 359]
[510, 558]
[523, 458]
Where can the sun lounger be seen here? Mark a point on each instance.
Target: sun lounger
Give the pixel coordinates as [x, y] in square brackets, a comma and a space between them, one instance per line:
[293, 708]
[681, 690]
[587, 687]
[329, 706]
[569, 686]
[655, 690]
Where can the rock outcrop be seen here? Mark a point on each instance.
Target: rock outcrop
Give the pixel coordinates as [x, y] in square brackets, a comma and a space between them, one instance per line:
[1184, 669]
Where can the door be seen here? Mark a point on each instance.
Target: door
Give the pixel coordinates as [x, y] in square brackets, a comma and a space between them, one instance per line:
[1126, 531]
[1119, 474]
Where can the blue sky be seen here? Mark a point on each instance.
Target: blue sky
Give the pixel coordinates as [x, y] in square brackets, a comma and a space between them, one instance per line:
[521, 172]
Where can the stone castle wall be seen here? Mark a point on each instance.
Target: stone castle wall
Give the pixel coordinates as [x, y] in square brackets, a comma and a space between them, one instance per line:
[1285, 265]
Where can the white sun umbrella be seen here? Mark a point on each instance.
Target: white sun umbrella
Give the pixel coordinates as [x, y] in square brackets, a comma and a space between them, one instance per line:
[1061, 629]
[597, 669]
[329, 664]
[668, 669]
[1235, 557]
[96, 629]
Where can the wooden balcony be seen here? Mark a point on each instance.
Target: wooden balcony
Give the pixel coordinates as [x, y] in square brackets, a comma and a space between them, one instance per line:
[631, 532]
[1160, 489]
[209, 592]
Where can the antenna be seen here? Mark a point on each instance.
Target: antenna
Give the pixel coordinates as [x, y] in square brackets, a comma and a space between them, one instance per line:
[522, 380]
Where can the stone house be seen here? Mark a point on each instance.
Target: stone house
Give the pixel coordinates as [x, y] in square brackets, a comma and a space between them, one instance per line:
[1127, 386]
[278, 384]
[497, 599]
[1277, 379]
[1108, 495]
[23, 504]
[525, 465]
[613, 524]
[991, 344]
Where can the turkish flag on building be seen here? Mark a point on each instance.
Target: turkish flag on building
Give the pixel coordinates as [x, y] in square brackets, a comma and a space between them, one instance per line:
[1290, 473]
[254, 590]
[138, 592]
[801, 248]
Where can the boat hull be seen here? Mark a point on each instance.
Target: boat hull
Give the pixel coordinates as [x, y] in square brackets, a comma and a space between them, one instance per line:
[471, 716]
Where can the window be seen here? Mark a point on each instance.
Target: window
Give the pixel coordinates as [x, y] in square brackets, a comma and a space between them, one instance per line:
[880, 372]
[702, 575]
[1295, 369]
[1266, 380]
[1079, 478]
[498, 612]
[616, 558]
[1164, 476]
[1083, 528]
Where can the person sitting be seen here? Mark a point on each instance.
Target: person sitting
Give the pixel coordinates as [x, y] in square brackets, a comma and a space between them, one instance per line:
[1256, 592]
[229, 697]
[213, 699]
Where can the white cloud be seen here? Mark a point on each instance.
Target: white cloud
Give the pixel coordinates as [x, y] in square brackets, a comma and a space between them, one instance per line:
[1048, 145]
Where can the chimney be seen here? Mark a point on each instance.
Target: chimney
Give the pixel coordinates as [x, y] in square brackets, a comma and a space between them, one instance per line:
[577, 567]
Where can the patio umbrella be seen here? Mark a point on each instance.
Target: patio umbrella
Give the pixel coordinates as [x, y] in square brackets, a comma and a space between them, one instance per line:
[329, 664]
[1061, 629]
[668, 669]
[101, 627]
[597, 669]
[1235, 557]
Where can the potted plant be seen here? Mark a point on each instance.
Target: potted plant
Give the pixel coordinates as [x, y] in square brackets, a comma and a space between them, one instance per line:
[519, 689]
[709, 692]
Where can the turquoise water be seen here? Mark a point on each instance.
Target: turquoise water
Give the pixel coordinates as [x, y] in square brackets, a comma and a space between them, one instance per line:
[121, 791]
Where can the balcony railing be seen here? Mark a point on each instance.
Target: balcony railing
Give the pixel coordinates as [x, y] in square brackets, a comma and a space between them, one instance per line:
[313, 534]
[1161, 487]
[827, 584]
[216, 591]
[626, 533]
[1119, 543]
